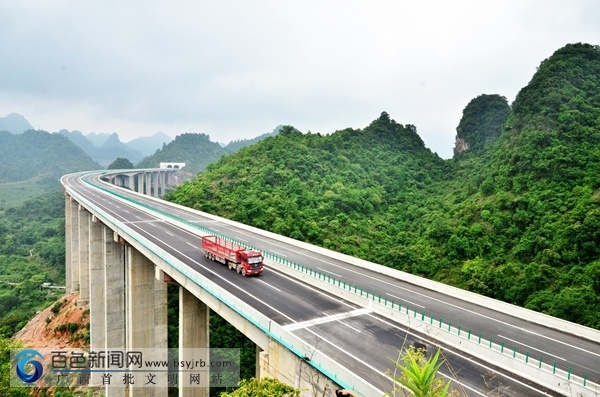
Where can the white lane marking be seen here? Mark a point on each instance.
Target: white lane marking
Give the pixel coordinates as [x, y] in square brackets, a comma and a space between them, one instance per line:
[379, 392]
[531, 347]
[233, 285]
[279, 253]
[326, 319]
[169, 233]
[264, 282]
[476, 363]
[190, 244]
[397, 286]
[406, 300]
[328, 272]
[127, 211]
[450, 304]
[139, 217]
[349, 326]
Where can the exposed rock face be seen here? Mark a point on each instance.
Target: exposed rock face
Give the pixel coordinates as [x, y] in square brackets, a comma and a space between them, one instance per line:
[47, 329]
[460, 145]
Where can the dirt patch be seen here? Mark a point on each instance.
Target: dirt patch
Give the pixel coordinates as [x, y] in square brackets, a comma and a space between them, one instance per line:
[61, 325]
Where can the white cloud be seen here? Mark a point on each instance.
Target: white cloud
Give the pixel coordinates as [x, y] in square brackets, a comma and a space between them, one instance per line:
[237, 69]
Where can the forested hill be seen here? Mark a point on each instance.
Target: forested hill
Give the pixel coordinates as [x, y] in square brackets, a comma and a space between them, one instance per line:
[517, 219]
[39, 154]
[195, 150]
[335, 190]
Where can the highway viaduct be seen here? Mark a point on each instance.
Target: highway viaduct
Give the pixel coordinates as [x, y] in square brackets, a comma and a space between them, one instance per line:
[320, 320]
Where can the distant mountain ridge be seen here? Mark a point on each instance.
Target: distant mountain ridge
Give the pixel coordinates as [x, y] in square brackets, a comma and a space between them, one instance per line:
[110, 150]
[515, 215]
[196, 150]
[15, 124]
[236, 145]
[39, 154]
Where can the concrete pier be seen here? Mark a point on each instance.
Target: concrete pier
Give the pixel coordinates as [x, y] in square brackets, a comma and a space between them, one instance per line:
[193, 334]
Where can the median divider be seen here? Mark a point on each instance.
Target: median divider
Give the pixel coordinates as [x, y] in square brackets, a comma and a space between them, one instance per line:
[170, 265]
[498, 353]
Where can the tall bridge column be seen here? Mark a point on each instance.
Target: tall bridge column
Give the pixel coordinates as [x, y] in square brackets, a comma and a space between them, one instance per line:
[74, 246]
[68, 237]
[146, 313]
[84, 257]
[155, 184]
[140, 182]
[148, 184]
[114, 301]
[96, 286]
[97, 294]
[193, 334]
[162, 183]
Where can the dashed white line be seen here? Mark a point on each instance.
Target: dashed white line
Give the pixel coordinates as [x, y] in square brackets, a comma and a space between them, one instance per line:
[531, 347]
[328, 272]
[169, 233]
[351, 327]
[275, 288]
[405, 300]
[278, 253]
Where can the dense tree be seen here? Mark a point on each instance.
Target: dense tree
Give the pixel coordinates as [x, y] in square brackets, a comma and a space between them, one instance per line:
[481, 122]
[517, 219]
[120, 164]
[36, 154]
[195, 150]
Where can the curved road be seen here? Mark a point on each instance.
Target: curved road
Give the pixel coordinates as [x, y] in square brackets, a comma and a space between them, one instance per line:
[333, 325]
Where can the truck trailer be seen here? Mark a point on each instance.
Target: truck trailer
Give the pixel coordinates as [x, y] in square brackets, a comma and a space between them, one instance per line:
[236, 257]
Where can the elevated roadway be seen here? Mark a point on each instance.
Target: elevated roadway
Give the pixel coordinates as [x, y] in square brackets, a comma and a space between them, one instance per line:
[364, 340]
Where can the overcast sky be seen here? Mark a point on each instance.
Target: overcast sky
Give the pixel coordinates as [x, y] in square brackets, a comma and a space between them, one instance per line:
[236, 69]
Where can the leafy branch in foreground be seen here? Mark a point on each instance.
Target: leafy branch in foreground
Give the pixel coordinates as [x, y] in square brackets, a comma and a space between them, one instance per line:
[418, 375]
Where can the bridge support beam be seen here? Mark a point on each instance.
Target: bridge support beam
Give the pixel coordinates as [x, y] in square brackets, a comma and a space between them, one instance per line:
[193, 334]
[96, 286]
[146, 313]
[74, 246]
[114, 298]
[148, 184]
[84, 257]
[140, 182]
[68, 242]
[155, 184]
[280, 363]
[97, 294]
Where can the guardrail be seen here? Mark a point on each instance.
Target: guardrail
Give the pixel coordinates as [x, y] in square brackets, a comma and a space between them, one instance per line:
[321, 362]
[547, 374]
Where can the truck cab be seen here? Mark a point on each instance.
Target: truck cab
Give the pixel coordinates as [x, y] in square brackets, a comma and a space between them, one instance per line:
[250, 262]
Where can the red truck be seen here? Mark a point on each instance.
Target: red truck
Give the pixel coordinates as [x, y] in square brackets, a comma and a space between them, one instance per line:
[244, 261]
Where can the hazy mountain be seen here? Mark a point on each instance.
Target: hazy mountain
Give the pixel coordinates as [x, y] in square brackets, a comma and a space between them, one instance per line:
[516, 217]
[40, 154]
[98, 139]
[195, 150]
[148, 145]
[14, 123]
[234, 146]
[111, 149]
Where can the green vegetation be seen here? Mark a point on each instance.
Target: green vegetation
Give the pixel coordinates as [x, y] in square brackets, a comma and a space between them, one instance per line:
[195, 150]
[234, 146]
[5, 389]
[32, 252]
[419, 375]
[518, 219]
[40, 154]
[120, 164]
[481, 122]
[264, 387]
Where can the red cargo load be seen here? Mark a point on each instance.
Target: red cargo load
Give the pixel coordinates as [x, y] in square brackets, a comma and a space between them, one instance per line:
[237, 257]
